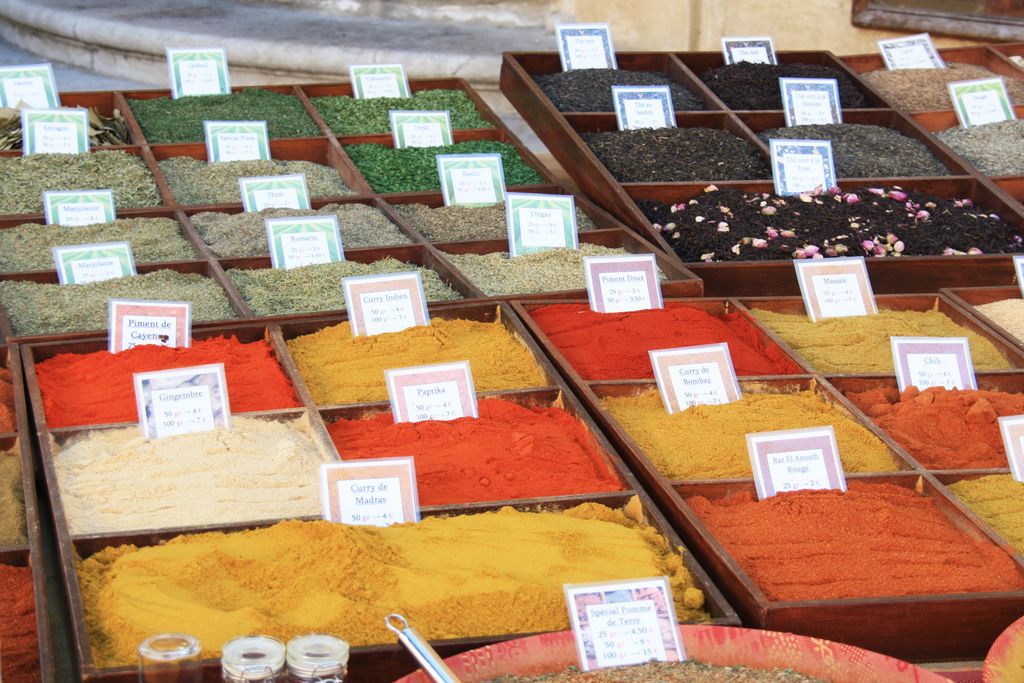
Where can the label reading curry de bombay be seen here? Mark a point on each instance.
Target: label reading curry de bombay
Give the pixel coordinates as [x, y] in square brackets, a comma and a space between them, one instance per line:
[808, 101]
[925, 362]
[139, 323]
[303, 240]
[378, 80]
[54, 131]
[802, 166]
[471, 179]
[537, 222]
[835, 288]
[182, 401]
[616, 284]
[432, 392]
[84, 263]
[756, 49]
[378, 492]
[695, 375]
[79, 207]
[385, 303]
[647, 106]
[585, 46]
[236, 141]
[421, 128]
[32, 85]
[911, 52]
[274, 192]
[795, 459]
[198, 71]
[981, 101]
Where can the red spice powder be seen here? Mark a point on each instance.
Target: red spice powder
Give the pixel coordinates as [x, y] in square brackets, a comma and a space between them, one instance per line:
[8, 423]
[19, 645]
[509, 452]
[606, 346]
[943, 429]
[96, 388]
[875, 540]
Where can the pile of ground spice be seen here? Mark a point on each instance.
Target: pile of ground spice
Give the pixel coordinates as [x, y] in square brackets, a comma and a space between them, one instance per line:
[465, 575]
[340, 369]
[732, 225]
[348, 116]
[8, 420]
[653, 155]
[943, 429]
[928, 89]
[991, 147]
[879, 540]
[12, 500]
[591, 89]
[97, 388]
[756, 86]
[689, 671]
[194, 181]
[19, 640]
[610, 346]
[999, 500]
[510, 451]
[454, 223]
[715, 436]
[860, 345]
[1008, 314]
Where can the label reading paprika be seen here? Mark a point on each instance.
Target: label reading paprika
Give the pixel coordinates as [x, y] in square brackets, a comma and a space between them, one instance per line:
[695, 375]
[925, 362]
[795, 459]
[378, 492]
[431, 392]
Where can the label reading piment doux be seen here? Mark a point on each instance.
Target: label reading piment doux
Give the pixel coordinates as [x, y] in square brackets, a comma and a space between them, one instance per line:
[421, 128]
[756, 49]
[925, 362]
[643, 106]
[835, 288]
[378, 80]
[585, 46]
[78, 207]
[911, 52]
[618, 623]
[274, 192]
[695, 375]
[385, 303]
[138, 323]
[377, 492]
[1011, 427]
[432, 392]
[198, 71]
[537, 222]
[303, 241]
[795, 459]
[471, 179]
[182, 400]
[54, 131]
[802, 166]
[809, 101]
[236, 141]
[981, 101]
[616, 284]
[84, 263]
[32, 85]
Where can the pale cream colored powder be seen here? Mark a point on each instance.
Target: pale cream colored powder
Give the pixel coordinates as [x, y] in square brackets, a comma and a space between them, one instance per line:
[1008, 314]
[117, 480]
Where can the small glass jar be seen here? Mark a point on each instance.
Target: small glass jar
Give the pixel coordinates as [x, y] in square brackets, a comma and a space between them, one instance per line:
[170, 658]
[317, 658]
[253, 659]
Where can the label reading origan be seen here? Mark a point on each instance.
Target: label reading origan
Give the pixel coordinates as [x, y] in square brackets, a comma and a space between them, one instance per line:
[537, 222]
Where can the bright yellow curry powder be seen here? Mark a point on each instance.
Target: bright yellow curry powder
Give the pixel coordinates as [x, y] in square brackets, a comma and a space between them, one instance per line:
[468, 575]
[999, 500]
[339, 368]
[709, 442]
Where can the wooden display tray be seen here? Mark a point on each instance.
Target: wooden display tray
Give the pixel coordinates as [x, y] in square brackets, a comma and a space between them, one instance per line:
[968, 298]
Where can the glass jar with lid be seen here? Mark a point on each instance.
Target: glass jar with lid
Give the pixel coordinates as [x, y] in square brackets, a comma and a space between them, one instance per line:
[317, 658]
[253, 659]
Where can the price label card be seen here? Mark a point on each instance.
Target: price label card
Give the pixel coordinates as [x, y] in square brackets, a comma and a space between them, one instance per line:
[274, 192]
[756, 49]
[303, 241]
[925, 362]
[1018, 270]
[182, 401]
[471, 179]
[537, 222]
[802, 166]
[1011, 427]
[198, 71]
[808, 101]
[79, 207]
[643, 106]
[911, 52]
[618, 623]
[432, 392]
[378, 492]
[616, 284]
[585, 46]
[835, 288]
[385, 303]
[236, 141]
[695, 375]
[981, 101]
[138, 323]
[32, 85]
[378, 80]
[54, 131]
[84, 263]
[795, 459]
[421, 128]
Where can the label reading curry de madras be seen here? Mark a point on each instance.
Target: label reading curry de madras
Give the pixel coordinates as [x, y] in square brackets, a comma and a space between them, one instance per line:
[377, 492]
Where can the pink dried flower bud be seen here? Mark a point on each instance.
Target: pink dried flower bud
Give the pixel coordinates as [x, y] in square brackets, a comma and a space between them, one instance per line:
[772, 233]
[922, 215]
[811, 249]
[868, 245]
[723, 227]
[852, 198]
[799, 253]
[759, 243]
[899, 247]
[948, 251]
[898, 195]
[891, 238]
[805, 198]
[974, 251]
[769, 211]
[787, 233]
[877, 190]
[678, 207]
[968, 202]
[879, 250]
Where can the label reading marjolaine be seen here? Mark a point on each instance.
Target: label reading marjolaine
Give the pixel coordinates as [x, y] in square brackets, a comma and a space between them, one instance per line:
[303, 240]
[471, 179]
[911, 52]
[537, 222]
[421, 128]
[835, 288]
[32, 85]
[643, 106]
[432, 392]
[925, 362]
[139, 323]
[795, 459]
[79, 207]
[981, 101]
[198, 71]
[756, 49]
[54, 131]
[236, 141]
[616, 284]
[810, 101]
[695, 375]
[84, 263]
[182, 401]
[274, 192]
[385, 303]
[378, 80]
[378, 492]
[802, 166]
[585, 46]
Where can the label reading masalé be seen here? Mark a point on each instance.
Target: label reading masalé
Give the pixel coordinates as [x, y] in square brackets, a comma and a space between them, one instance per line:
[925, 362]
[643, 106]
[795, 459]
[616, 284]
[303, 240]
[236, 141]
[274, 192]
[981, 101]
[54, 131]
[537, 222]
[432, 392]
[695, 375]
[84, 263]
[421, 128]
[198, 71]
[618, 623]
[911, 52]
[139, 323]
[1011, 428]
[471, 179]
[377, 492]
[808, 101]
[802, 166]
[756, 49]
[32, 85]
[378, 80]
[585, 46]
[835, 288]
[182, 401]
[385, 303]
[79, 207]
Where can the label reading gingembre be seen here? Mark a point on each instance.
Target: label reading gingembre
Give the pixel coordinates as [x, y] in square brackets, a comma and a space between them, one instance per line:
[182, 400]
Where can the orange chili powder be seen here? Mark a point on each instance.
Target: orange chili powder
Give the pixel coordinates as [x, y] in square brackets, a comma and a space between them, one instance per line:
[509, 452]
[604, 346]
[19, 644]
[943, 429]
[7, 419]
[875, 540]
[97, 388]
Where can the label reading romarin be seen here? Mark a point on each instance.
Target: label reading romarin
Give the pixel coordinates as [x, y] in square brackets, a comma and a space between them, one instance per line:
[303, 240]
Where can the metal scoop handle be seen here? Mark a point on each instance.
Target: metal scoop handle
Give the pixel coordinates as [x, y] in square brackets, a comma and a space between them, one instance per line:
[418, 646]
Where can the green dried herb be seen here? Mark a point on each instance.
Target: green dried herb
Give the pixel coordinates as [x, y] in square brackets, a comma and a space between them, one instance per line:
[349, 116]
[40, 308]
[103, 130]
[181, 120]
[28, 246]
[414, 169]
[271, 291]
[24, 179]
[193, 181]
[454, 223]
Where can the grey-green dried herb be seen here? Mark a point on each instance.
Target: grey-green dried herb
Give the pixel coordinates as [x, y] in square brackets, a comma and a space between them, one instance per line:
[40, 308]
[153, 240]
[553, 270]
[994, 147]
[181, 120]
[927, 89]
[272, 291]
[193, 181]
[454, 223]
[244, 234]
[103, 130]
[24, 179]
[349, 116]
